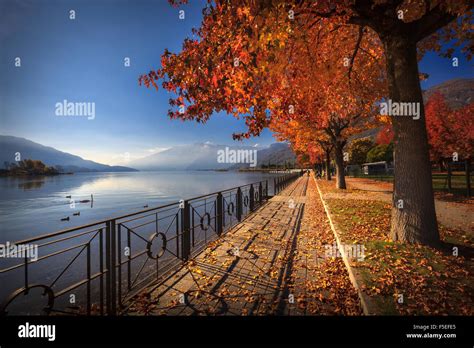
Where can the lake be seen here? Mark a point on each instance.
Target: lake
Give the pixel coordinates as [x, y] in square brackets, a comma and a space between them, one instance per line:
[35, 205]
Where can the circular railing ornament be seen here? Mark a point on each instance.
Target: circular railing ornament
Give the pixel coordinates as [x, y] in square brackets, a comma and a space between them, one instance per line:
[24, 291]
[246, 201]
[149, 244]
[230, 208]
[205, 224]
[256, 195]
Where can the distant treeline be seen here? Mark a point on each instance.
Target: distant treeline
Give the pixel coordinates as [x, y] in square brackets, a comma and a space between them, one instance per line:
[286, 165]
[29, 167]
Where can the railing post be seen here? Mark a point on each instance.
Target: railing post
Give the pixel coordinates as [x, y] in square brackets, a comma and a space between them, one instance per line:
[110, 286]
[275, 186]
[260, 192]
[238, 201]
[220, 213]
[107, 267]
[119, 265]
[114, 263]
[266, 190]
[252, 197]
[185, 231]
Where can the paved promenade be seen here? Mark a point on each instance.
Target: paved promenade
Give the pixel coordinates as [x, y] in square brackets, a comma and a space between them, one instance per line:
[257, 268]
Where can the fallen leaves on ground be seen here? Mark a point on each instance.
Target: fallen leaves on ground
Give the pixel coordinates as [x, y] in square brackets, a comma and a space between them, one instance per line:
[324, 286]
[431, 281]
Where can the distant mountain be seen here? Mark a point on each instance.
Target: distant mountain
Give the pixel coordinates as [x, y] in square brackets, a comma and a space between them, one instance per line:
[457, 92]
[204, 156]
[200, 156]
[10, 145]
[276, 154]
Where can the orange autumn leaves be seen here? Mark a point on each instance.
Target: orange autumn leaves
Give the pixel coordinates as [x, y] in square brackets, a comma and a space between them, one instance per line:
[331, 89]
[431, 281]
[450, 130]
[257, 66]
[321, 59]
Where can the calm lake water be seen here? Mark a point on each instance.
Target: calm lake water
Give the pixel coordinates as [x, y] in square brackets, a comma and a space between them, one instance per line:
[34, 206]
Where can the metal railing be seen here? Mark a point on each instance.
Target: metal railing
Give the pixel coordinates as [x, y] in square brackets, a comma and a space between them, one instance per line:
[96, 269]
[280, 182]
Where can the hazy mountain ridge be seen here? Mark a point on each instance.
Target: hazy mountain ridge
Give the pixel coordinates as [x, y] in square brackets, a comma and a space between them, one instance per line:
[10, 145]
[457, 92]
[183, 157]
[201, 156]
[204, 156]
[276, 154]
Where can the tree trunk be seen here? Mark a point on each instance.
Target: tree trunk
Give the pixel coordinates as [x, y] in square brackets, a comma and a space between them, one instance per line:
[413, 211]
[328, 165]
[340, 175]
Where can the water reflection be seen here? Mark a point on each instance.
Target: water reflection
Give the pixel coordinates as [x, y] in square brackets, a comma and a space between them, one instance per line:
[30, 206]
[33, 184]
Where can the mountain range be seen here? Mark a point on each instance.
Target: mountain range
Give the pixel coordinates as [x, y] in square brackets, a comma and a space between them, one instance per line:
[10, 145]
[277, 153]
[205, 156]
[457, 92]
[201, 156]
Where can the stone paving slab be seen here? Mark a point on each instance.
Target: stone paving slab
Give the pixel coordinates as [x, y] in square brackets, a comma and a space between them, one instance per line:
[244, 272]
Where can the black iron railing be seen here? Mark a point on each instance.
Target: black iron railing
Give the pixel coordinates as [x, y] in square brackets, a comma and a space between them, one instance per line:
[280, 182]
[96, 269]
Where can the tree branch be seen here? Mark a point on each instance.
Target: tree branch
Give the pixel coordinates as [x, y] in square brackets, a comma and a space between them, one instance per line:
[356, 49]
[431, 22]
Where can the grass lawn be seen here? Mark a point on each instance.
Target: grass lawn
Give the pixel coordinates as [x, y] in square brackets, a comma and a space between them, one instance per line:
[428, 281]
[440, 182]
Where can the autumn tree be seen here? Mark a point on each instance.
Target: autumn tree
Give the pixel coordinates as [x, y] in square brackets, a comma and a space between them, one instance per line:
[385, 135]
[449, 131]
[327, 91]
[326, 147]
[463, 128]
[381, 152]
[401, 25]
[307, 139]
[230, 68]
[358, 150]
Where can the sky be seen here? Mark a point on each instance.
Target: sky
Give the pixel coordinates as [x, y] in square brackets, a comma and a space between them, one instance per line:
[82, 60]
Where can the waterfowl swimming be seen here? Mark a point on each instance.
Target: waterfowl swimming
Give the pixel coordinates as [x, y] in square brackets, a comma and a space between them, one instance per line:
[65, 219]
[68, 196]
[87, 200]
[77, 214]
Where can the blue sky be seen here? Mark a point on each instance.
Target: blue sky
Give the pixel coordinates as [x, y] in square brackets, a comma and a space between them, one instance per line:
[82, 60]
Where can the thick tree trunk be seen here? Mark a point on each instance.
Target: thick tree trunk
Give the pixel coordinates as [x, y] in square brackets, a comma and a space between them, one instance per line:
[328, 165]
[413, 211]
[340, 175]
